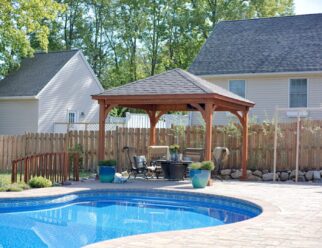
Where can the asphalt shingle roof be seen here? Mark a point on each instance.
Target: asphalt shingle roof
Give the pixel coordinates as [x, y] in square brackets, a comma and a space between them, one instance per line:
[34, 73]
[172, 82]
[277, 44]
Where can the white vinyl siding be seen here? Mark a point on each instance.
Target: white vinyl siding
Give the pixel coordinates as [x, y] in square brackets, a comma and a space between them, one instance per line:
[70, 89]
[298, 93]
[237, 87]
[271, 91]
[18, 116]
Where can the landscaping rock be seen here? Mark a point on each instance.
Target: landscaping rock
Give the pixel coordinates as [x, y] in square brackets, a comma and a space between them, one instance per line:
[252, 177]
[265, 171]
[257, 173]
[293, 173]
[225, 172]
[269, 177]
[316, 175]
[236, 174]
[309, 175]
[249, 172]
[284, 176]
[225, 177]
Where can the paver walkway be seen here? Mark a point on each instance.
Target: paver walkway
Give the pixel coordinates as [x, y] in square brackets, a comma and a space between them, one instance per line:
[292, 216]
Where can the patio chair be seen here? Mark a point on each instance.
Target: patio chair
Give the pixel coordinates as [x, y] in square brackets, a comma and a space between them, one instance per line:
[156, 154]
[193, 154]
[138, 164]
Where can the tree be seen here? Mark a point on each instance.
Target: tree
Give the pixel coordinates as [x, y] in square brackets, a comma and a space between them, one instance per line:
[20, 20]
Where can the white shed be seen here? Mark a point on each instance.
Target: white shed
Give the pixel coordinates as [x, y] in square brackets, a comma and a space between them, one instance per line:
[48, 88]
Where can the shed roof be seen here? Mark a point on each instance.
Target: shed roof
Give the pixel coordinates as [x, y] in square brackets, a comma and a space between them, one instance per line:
[34, 73]
[265, 45]
[171, 83]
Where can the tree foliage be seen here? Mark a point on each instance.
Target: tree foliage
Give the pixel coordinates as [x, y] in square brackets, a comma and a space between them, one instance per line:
[125, 40]
[21, 22]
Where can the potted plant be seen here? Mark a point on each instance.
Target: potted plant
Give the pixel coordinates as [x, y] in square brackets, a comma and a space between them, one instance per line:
[174, 149]
[107, 169]
[200, 173]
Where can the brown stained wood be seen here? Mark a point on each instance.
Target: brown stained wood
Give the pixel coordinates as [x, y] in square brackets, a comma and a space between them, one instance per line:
[101, 141]
[91, 148]
[85, 149]
[5, 151]
[260, 150]
[169, 99]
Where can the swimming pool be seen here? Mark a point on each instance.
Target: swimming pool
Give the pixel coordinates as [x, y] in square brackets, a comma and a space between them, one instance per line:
[83, 218]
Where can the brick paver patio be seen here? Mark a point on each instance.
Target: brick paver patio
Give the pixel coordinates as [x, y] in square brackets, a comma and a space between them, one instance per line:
[292, 215]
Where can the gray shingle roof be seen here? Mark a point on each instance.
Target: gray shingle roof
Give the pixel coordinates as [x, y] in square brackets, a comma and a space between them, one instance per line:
[172, 82]
[34, 73]
[277, 44]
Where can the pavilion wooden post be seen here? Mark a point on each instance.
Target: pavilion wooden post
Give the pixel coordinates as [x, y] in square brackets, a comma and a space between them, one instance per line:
[154, 117]
[153, 124]
[101, 130]
[245, 145]
[104, 109]
[208, 114]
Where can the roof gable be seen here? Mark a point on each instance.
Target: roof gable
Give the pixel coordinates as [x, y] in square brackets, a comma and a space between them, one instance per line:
[172, 82]
[266, 45]
[34, 74]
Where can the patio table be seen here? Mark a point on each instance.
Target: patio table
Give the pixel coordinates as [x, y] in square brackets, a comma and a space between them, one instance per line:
[174, 170]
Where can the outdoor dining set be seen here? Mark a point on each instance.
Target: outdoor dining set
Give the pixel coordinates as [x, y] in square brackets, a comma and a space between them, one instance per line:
[160, 162]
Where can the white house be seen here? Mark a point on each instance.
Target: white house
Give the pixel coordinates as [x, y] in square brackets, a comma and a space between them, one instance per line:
[271, 61]
[48, 88]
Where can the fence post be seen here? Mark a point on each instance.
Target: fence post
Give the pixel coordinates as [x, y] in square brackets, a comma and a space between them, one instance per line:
[25, 161]
[76, 166]
[14, 172]
[66, 165]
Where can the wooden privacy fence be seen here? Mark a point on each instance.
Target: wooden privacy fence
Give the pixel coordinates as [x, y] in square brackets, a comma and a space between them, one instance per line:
[58, 167]
[261, 144]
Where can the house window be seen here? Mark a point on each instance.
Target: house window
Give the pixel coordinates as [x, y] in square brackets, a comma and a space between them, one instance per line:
[237, 87]
[72, 117]
[298, 93]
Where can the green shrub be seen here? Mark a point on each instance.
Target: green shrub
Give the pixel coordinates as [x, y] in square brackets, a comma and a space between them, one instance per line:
[39, 182]
[207, 165]
[110, 162]
[14, 187]
[174, 148]
[195, 166]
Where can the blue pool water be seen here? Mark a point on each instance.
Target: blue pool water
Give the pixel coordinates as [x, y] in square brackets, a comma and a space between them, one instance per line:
[79, 219]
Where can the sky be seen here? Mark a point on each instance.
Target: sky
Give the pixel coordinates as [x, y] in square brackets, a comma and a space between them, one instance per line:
[308, 6]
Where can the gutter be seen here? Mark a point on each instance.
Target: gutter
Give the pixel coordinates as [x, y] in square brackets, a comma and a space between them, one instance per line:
[15, 98]
[259, 74]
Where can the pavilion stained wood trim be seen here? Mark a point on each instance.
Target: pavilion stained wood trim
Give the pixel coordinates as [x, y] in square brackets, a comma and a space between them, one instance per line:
[152, 92]
[159, 99]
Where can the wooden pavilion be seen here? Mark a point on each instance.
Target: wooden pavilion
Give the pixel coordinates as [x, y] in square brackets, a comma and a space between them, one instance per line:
[175, 90]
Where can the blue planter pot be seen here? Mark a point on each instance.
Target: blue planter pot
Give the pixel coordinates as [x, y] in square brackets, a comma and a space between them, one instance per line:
[106, 174]
[174, 156]
[199, 178]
